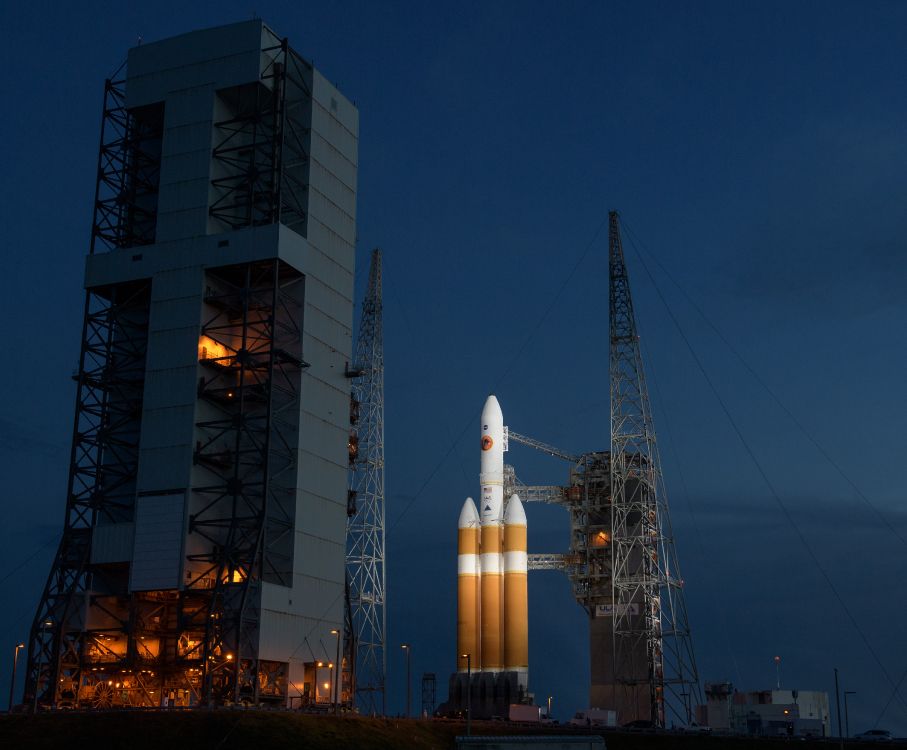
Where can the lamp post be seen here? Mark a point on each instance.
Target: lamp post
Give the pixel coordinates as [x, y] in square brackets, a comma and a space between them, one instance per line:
[409, 683]
[846, 715]
[12, 682]
[777, 672]
[468, 658]
[44, 626]
[838, 702]
[549, 706]
[336, 632]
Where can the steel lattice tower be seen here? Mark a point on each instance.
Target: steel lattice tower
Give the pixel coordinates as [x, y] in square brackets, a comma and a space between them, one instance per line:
[365, 525]
[654, 665]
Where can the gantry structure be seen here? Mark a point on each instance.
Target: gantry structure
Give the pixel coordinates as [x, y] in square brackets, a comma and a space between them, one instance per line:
[185, 566]
[365, 563]
[622, 561]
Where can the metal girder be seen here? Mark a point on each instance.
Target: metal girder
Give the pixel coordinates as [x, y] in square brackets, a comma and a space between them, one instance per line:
[544, 561]
[110, 386]
[365, 551]
[103, 465]
[551, 494]
[261, 158]
[543, 447]
[243, 500]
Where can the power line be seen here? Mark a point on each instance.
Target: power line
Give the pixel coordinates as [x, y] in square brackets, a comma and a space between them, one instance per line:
[761, 381]
[763, 474]
[683, 483]
[554, 300]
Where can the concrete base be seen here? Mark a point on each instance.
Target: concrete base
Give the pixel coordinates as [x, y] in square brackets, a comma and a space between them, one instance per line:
[492, 694]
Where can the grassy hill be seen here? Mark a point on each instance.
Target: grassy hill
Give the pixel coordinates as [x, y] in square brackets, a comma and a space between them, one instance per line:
[277, 730]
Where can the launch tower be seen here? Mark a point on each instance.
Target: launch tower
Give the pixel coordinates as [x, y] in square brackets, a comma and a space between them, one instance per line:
[202, 555]
[622, 560]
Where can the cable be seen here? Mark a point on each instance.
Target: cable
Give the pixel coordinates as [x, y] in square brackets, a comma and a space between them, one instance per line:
[506, 371]
[31, 557]
[683, 483]
[800, 426]
[763, 474]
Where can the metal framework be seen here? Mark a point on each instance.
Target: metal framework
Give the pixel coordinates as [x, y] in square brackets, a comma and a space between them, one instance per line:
[622, 562]
[242, 509]
[110, 385]
[365, 562]
[429, 694]
[648, 604]
[95, 643]
[260, 162]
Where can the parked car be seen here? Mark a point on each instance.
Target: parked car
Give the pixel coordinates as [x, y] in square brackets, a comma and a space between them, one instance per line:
[874, 735]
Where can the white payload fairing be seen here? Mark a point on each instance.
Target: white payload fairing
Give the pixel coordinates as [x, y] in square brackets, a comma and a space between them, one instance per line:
[492, 618]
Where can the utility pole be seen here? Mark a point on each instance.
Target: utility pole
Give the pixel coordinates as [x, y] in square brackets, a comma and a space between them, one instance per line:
[336, 632]
[846, 714]
[838, 702]
[408, 649]
[12, 680]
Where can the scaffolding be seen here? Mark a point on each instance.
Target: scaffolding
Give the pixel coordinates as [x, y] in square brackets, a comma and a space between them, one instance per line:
[365, 562]
[95, 640]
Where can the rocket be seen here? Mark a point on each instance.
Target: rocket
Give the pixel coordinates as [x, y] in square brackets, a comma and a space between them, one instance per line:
[491, 513]
[492, 603]
[468, 585]
[516, 600]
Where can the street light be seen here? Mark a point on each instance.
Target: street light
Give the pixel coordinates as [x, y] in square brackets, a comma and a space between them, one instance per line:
[838, 702]
[846, 717]
[409, 684]
[12, 682]
[468, 658]
[44, 625]
[336, 631]
[549, 706]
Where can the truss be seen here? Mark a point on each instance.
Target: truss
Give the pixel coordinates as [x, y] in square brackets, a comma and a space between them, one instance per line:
[110, 384]
[242, 511]
[366, 523]
[261, 158]
[653, 654]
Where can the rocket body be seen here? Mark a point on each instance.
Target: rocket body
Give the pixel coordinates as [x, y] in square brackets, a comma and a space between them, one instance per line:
[491, 513]
[516, 601]
[468, 591]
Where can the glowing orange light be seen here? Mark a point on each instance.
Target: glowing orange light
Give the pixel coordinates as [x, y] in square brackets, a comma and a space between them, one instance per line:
[229, 657]
[208, 348]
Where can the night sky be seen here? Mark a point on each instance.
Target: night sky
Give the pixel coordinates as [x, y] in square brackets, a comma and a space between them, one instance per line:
[758, 155]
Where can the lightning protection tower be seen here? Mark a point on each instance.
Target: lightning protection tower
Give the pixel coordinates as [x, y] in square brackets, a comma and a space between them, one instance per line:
[654, 666]
[365, 511]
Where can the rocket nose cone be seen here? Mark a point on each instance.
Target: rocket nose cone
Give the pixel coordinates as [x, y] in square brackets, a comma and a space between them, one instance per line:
[515, 513]
[469, 516]
[491, 412]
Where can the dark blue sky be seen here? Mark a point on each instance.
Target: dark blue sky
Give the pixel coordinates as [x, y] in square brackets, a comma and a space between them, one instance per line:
[758, 151]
